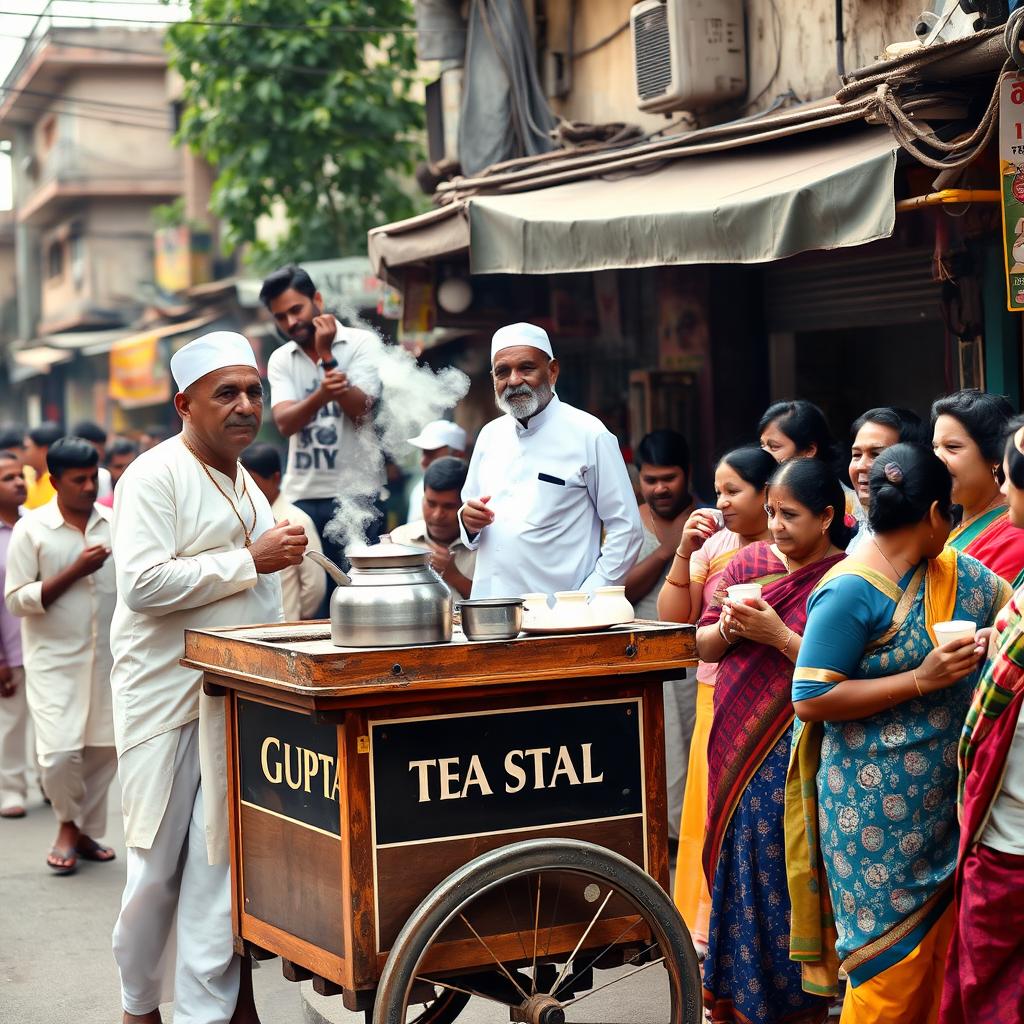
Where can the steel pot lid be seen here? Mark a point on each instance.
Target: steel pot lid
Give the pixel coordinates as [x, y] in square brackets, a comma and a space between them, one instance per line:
[386, 556]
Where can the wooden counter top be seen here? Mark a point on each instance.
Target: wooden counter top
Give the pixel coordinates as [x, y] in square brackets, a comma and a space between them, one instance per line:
[299, 661]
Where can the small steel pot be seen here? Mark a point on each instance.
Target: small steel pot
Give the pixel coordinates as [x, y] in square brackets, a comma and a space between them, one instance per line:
[492, 618]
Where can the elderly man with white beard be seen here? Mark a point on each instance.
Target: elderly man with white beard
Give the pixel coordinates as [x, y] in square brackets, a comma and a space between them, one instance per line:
[544, 480]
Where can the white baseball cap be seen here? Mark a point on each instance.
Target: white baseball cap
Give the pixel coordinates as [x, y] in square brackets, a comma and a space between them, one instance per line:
[440, 434]
[514, 335]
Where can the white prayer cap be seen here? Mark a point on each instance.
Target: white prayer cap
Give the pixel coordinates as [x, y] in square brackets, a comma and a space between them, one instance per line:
[440, 434]
[521, 334]
[208, 353]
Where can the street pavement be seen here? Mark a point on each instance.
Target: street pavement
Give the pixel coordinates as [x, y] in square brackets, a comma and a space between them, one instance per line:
[56, 966]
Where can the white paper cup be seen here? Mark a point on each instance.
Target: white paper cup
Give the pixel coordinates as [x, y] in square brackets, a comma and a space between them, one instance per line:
[957, 629]
[747, 592]
[718, 515]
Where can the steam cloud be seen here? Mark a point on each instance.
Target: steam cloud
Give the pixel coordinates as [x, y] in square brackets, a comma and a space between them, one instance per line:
[411, 396]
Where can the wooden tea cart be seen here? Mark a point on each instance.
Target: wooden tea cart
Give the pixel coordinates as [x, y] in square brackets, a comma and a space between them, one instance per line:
[417, 827]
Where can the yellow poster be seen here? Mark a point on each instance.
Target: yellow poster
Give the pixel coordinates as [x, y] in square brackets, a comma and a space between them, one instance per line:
[137, 375]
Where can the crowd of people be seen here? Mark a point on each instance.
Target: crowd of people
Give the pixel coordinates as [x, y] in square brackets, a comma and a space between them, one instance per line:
[853, 806]
[846, 785]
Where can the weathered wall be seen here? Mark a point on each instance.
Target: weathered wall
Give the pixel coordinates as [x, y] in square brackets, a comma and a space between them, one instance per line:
[105, 149]
[117, 256]
[603, 89]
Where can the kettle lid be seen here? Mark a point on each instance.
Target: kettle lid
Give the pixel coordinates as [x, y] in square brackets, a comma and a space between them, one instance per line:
[386, 556]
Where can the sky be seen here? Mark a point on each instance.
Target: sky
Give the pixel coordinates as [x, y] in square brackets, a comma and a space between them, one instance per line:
[14, 27]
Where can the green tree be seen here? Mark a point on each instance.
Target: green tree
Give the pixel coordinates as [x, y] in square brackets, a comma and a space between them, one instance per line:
[317, 114]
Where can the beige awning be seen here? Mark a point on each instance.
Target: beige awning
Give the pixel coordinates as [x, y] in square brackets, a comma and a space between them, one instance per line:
[751, 204]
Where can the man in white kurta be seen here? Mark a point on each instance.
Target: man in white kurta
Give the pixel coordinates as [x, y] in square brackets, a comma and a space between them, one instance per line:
[60, 580]
[195, 546]
[544, 482]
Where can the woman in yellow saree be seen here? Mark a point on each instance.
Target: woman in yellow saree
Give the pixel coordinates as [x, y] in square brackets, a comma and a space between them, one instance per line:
[871, 828]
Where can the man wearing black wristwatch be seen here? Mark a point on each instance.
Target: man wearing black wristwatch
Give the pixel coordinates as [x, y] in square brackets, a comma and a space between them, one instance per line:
[323, 382]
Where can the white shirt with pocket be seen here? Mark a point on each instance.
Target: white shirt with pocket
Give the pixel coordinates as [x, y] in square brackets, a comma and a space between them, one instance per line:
[320, 451]
[554, 485]
[66, 646]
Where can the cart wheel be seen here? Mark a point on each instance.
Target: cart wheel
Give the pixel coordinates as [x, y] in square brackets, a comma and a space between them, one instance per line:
[444, 1008]
[616, 922]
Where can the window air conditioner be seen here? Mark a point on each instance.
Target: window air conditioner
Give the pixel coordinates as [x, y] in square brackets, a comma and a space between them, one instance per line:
[689, 54]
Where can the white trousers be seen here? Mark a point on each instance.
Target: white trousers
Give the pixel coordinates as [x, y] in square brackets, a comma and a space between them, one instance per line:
[76, 783]
[15, 748]
[174, 877]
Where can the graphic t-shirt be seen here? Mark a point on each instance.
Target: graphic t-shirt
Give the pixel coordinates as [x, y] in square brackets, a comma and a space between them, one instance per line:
[318, 452]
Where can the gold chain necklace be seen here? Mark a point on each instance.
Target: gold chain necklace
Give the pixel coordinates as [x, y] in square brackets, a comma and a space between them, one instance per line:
[895, 571]
[245, 494]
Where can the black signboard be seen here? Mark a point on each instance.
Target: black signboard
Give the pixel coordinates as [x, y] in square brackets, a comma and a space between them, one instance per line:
[288, 765]
[465, 775]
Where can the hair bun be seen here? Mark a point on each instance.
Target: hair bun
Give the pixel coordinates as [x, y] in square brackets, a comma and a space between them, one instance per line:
[893, 472]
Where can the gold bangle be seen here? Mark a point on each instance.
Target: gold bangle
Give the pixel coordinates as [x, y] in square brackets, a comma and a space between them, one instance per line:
[917, 684]
[679, 554]
[789, 640]
[676, 583]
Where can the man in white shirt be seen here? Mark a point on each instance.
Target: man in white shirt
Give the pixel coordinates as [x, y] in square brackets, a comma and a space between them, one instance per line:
[437, 529]
[323, 382]
[61, 581]
[302, 585]
[439, 439]
[195, 547]
[14, 720]
[544, 481]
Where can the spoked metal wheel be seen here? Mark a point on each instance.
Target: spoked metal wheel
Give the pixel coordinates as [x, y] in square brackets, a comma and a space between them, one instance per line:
[440, 1006]
[543, 932]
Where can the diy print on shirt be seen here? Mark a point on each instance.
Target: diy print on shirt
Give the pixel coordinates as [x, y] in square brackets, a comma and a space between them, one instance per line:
[317, 444]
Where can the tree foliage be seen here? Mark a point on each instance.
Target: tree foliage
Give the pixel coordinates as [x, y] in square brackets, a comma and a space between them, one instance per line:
[317, 115]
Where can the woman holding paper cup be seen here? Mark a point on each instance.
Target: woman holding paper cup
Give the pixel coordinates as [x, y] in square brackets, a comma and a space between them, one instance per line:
[969, 434]
[754, 625]
[711, 537]
[871, 827]
[985, 972]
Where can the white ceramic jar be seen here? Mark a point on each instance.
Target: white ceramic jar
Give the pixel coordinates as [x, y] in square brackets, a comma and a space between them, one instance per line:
[571, 610]
[609, 606]
[536, 611]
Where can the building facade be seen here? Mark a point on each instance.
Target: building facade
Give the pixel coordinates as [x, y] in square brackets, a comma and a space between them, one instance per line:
[694, 265]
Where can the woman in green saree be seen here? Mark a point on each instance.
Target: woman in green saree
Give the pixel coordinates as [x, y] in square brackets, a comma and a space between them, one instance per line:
[871, 828]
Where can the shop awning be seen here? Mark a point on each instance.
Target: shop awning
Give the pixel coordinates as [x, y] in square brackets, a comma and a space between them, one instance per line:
[751, 204]
[31, 362]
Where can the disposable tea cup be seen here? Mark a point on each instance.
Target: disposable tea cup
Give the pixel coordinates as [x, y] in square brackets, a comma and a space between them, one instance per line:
[718, 515]
[956, 629]
[744, 592]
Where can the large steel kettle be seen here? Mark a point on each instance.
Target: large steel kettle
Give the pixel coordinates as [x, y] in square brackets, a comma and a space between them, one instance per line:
[391, 597]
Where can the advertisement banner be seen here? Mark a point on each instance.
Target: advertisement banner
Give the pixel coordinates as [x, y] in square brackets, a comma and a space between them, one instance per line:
[1011, 183]
[137, 374]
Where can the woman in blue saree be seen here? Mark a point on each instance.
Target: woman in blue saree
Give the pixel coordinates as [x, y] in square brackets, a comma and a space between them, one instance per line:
[871, 828]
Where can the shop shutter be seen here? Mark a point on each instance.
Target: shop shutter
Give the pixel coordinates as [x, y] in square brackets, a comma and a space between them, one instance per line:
[851, 288]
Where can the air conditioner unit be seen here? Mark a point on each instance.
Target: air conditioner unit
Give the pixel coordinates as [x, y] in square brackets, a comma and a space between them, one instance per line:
[689, 54]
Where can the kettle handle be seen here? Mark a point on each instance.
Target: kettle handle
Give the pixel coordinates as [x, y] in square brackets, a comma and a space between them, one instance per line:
[333, 571]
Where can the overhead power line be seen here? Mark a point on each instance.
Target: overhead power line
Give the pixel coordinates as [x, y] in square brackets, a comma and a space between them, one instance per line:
[260, 25]
[85, 101]
[294, 69]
